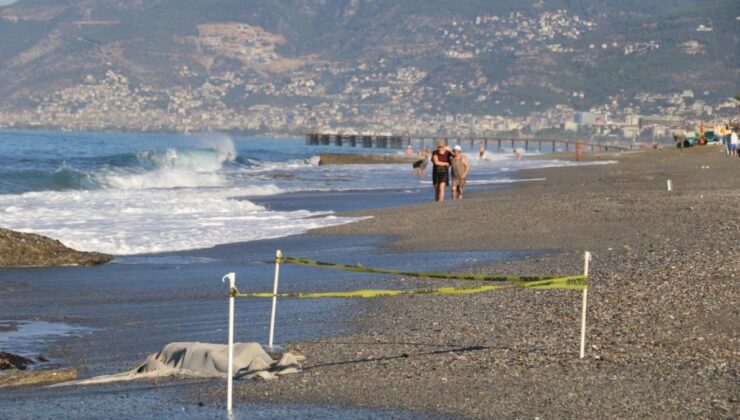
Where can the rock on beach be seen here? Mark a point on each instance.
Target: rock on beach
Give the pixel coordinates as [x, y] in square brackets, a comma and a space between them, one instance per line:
[13, 361]
[355, 158]
[30, 250]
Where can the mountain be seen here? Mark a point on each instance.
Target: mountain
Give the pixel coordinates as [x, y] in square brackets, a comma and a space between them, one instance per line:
[480, 57]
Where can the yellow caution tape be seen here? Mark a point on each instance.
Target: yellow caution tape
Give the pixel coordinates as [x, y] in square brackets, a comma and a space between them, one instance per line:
[453, 276]
[571, 282]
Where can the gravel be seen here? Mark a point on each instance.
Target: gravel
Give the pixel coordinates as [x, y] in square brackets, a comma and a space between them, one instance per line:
[662, 336]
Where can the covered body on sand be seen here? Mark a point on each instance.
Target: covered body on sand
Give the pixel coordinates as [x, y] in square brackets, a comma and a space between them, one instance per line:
[204, 360]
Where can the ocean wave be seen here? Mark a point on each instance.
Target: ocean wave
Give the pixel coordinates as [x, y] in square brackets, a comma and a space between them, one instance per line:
[163, 178]
[123, 222]
[60, 179]
[257, 166]
[169, 168]
[197, 162]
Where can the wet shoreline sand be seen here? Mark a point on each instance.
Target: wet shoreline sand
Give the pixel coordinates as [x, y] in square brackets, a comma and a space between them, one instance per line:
[663, 319]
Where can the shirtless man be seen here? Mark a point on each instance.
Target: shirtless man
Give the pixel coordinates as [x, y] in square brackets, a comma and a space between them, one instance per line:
[460, 167]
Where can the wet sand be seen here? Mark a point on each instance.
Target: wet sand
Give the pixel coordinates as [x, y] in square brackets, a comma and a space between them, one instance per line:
[662, 317]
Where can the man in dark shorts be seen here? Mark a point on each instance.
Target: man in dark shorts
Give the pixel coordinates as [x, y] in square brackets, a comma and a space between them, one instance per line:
[441, 170]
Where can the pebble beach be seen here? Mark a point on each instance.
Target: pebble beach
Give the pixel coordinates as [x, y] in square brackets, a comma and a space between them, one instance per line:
[663, 318]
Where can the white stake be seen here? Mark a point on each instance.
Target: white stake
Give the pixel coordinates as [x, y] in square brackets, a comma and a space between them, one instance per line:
[278, 256]
[230, 369]
[587, 258]
[670, 185]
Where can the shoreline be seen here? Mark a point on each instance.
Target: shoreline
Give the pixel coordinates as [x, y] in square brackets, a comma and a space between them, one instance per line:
[576, 202]
[661, 334]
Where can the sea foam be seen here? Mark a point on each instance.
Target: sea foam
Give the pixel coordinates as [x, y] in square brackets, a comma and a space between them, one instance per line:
[125, 222]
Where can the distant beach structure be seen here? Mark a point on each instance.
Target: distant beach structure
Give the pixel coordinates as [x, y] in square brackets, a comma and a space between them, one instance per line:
[397, 141]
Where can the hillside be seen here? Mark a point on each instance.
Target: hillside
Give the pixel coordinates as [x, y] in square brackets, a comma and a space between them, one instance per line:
[170, 59]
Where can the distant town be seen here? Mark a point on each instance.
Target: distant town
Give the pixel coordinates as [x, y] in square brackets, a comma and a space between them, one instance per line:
[111, 104]
[266, 93]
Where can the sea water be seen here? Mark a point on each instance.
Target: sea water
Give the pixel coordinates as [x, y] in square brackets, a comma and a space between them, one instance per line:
[126, 194]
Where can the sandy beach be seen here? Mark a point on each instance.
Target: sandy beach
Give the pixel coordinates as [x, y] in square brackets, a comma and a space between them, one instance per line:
[662, 315]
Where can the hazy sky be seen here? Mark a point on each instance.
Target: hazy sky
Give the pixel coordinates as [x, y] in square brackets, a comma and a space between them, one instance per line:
[7, 2]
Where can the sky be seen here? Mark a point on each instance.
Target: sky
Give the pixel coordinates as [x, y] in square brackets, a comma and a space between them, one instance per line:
[7, 2]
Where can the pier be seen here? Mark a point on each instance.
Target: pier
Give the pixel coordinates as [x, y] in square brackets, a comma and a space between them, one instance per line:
[399, 141]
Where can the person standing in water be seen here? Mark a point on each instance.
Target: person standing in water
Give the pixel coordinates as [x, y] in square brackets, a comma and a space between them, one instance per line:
[481, 151]
[460, 167]
[441, 170]
[421, 165]
[517, 154]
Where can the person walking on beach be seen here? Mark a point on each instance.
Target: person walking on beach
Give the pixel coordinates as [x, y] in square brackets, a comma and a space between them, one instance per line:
[441, 170]
[734, 144]
[421, 165]
[725, 139]
[460, 167]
